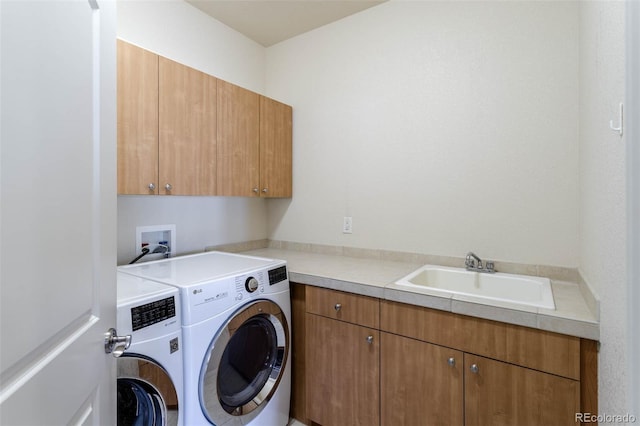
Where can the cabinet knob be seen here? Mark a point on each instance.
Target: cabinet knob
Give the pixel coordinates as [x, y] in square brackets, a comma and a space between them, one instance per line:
[451, 361]
[265, 190]
[369, 340]
[151, 186]
[337, 307]
[168, 187]
[474, 368]
[255, 190]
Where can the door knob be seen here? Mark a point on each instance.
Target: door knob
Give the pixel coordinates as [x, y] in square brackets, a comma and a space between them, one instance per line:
[151, 186]
[451, 361]
[114, 344]
[369, 339]
[474, 368]
[168, 187]
[337, 307]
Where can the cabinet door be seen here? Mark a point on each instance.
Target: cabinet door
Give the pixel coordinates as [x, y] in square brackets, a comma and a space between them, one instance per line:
[497, 393]
[238, 141]
[275, 148]
[420, 383]
[137, 120]
[342, 373]
[187, 145]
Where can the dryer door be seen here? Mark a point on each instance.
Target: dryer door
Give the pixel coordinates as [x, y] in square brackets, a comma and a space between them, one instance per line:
[244, 363]
[146, 394]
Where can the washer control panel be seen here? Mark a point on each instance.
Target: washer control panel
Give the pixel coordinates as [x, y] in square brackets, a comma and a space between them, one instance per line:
[251, 284]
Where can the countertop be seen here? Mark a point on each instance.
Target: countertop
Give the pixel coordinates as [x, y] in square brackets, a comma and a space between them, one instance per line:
[375, 278]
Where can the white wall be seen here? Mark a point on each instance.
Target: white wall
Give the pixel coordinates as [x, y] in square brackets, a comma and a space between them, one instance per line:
[441, 127]
[179, 31]
[174, 29]
[603, 226]
[632, 132]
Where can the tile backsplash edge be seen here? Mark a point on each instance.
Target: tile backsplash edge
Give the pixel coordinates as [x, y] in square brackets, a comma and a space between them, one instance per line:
[590, 296]
[552, 272]
[239, 247]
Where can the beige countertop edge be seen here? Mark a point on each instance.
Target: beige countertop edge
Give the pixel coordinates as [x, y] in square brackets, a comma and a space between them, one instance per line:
[571, 317]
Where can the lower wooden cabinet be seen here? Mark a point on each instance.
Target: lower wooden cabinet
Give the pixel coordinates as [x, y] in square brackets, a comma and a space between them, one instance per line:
[424, 367]
[343, 372]
[420, 383]
[497, 393]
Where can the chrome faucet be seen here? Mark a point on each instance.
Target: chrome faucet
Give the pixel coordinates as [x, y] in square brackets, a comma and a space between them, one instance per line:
[473, 263]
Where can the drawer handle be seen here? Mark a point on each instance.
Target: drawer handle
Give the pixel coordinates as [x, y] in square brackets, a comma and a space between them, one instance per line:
[474, 368]
[451, 361]
[369, 340]
[337, 307]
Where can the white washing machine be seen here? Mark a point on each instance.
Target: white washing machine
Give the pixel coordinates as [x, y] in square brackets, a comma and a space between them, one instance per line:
[236, 315]
[150, 380]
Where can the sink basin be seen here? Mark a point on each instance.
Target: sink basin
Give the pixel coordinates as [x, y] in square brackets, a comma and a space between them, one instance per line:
[484, 287]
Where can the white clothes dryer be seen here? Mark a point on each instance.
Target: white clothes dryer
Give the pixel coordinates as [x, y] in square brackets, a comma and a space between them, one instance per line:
[150, 380]
[236, 316]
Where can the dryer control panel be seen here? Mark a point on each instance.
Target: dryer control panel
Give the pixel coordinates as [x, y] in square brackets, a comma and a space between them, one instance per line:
[152, 313]
[277, 275]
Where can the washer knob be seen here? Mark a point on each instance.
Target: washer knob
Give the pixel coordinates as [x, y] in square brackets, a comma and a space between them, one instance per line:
[251, 284]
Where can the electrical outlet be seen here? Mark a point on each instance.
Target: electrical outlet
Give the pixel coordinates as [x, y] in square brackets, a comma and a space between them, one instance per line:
[347, 225]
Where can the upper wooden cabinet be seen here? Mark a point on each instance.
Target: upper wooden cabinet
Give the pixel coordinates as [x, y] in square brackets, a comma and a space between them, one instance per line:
[275, 148]
[238, 140]
[184, 132]
[254, 144]
[137, 120]
[166, 126]
[187, 137]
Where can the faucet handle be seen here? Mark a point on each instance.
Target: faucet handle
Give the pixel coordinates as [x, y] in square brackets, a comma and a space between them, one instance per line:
[490, 267]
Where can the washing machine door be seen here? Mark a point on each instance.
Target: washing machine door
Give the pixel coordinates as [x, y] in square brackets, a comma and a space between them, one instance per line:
[146, 394]
[244, 364]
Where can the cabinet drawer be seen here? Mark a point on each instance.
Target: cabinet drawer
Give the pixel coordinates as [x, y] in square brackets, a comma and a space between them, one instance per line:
[541, 350]
[356, 309]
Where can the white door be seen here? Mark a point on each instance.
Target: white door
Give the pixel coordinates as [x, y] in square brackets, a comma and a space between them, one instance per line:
[57, 211]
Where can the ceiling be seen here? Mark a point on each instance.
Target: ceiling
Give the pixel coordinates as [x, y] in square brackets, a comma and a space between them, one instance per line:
[270, 21]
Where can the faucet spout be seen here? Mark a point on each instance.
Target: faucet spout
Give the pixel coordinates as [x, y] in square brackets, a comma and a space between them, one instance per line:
[471, 259]
[473, 263]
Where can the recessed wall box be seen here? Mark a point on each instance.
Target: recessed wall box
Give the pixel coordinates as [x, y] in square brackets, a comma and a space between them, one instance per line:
[159, 239]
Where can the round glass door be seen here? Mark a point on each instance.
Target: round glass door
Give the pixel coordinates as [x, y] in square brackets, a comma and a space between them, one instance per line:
[145, 393]
[245, 363]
